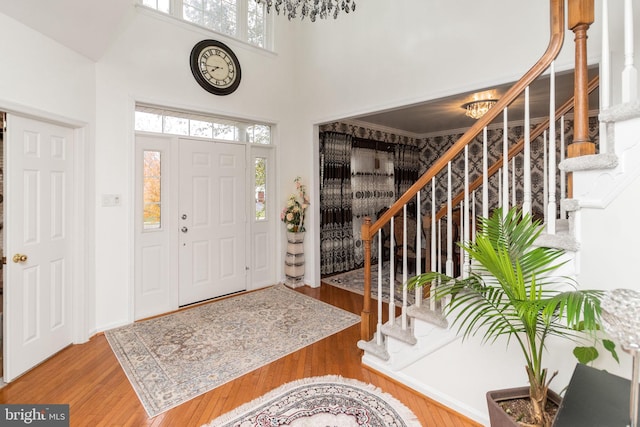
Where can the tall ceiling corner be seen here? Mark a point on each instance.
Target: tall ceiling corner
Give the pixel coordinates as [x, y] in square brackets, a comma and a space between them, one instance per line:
[85, 26]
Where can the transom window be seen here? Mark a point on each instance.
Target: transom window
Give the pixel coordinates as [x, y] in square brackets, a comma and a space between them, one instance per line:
[241, 19]
[159, 120]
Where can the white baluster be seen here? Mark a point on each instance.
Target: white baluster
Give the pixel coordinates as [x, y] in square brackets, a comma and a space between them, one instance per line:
[449, 264]
[392, 275]
[435, 262]
[418, 249]
[563, 175]
[440, 245]
[379, 329]
[485, 174]
[630, 73]
[526, 163]
[464, 219]
[605, 85]
[505, 162]
[513, 181]
[473, 216]
[499, 187]
[552, 206]
[545, 179]
[405, 322]
[461, 232]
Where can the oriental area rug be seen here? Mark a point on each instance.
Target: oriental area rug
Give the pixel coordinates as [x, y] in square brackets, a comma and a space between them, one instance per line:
[174, 358]
[321, 402]
[354, 281]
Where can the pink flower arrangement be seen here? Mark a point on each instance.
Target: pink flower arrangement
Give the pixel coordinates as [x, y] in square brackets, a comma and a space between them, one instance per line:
[297, 203]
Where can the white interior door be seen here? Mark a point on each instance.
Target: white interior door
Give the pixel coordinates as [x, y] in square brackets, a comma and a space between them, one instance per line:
[39, 198]
[212, 220]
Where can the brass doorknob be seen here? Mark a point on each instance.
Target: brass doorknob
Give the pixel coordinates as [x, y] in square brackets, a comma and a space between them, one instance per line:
[19, 258]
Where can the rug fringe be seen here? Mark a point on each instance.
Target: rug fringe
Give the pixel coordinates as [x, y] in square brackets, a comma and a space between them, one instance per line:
[404, 412]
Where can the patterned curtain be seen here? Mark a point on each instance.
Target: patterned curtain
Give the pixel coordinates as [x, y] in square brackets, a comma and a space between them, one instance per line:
[336, 228]
[407, 167]
[372, 183]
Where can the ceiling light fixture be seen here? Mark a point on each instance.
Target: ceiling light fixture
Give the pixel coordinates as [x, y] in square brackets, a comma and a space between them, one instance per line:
[311, 8]
[478, 108]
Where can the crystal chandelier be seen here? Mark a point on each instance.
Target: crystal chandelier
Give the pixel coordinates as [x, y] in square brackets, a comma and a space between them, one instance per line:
[477, 109]
[311, 8]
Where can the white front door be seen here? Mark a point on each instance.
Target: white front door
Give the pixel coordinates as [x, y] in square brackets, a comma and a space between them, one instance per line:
[37, 290]
[212, 220]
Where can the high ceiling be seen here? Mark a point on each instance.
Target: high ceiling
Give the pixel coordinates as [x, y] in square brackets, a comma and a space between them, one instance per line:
[89, 26]
[85, 26]
[447, 113]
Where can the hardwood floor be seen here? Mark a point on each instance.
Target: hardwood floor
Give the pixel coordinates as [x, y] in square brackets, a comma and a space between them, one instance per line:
[89, 378]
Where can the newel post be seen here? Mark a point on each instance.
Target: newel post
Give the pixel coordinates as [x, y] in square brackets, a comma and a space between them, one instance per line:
[581, 16]
[366, 325]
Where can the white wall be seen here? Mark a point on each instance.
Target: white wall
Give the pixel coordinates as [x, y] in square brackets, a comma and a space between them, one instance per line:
[149, 62]
[42, 78]
[40, 74]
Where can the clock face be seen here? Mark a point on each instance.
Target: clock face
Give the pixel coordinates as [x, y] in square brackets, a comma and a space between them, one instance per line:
[215, 67]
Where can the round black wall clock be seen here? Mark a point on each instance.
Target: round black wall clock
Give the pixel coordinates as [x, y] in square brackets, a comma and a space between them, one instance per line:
[215, 67]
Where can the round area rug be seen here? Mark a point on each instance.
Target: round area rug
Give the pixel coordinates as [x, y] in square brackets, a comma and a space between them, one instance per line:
[329, 401]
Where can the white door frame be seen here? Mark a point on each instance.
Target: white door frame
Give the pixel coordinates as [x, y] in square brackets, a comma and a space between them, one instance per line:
[82, 250]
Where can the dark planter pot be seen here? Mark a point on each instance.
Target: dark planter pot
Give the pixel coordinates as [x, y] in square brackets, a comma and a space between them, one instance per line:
[499, 418]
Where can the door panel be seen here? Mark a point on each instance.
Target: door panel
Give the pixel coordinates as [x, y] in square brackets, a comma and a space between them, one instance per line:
[212, 225]
[38, 285]
[263, 226]
[156, 288]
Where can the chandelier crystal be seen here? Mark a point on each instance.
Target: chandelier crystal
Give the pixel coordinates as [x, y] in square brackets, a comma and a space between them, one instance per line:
[477, 109]
[311, 8]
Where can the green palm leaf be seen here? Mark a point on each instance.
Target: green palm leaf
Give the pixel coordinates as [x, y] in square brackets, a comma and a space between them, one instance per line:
[511, 291]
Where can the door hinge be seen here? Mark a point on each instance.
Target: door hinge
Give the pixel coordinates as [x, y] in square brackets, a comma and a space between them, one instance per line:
[4, 260]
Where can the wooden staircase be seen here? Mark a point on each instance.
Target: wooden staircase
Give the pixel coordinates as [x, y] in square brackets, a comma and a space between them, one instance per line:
[418, 348]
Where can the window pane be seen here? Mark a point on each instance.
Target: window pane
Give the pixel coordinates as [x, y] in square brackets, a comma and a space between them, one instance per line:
[148, 122]
[192, 14]
[200, 128]
[228, 17]
[164, 6]
[256, 24]
[226, 132]
[176, 125]
[220, 15]
[261, 188]
[259, 134]
[157, 119]
[151, 194]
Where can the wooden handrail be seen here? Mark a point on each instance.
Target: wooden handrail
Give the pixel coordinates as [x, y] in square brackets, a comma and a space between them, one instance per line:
[368, 230]
[517, 148]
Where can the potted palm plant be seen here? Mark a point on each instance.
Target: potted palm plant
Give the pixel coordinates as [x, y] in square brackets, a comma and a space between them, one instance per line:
[511, 292]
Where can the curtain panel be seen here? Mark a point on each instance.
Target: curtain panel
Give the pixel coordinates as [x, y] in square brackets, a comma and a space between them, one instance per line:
[406, 163]
[372, 184]
[336, 222]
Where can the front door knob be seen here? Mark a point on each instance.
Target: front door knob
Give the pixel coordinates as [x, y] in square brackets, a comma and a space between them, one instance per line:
[19, 258]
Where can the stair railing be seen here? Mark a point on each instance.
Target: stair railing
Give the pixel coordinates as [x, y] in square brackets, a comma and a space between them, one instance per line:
[514, 150]
[369, 230]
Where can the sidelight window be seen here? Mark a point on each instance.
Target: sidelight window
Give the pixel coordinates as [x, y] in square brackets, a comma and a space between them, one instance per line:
[152, 190]
[261, 188]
